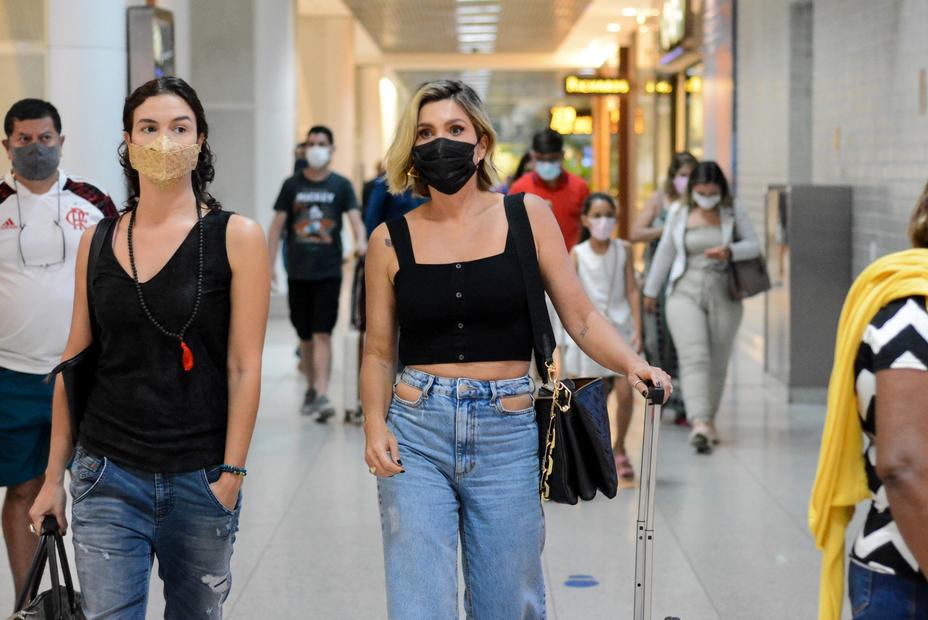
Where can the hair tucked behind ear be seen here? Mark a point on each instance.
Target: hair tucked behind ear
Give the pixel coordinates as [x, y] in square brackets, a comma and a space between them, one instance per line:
[918, 227]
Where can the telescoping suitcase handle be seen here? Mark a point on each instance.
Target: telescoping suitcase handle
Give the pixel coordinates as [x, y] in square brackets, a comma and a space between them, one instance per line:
[644, 544]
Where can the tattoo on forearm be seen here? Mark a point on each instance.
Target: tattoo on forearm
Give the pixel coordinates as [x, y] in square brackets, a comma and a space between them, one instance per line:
[389, 242]
[585, 330]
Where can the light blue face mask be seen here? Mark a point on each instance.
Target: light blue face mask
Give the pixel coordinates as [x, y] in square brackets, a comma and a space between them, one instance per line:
[548, 170]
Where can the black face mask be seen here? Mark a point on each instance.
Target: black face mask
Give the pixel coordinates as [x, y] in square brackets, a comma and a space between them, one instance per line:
[445, 164]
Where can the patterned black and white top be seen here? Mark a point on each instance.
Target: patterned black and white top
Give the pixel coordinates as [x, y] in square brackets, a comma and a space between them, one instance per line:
[897, 338]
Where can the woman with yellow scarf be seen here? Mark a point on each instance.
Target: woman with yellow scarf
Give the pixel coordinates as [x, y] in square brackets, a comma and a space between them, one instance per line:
[882, 349]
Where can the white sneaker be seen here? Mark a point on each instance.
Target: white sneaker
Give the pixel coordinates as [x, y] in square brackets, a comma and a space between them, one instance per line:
[699, 437]
[712, 433]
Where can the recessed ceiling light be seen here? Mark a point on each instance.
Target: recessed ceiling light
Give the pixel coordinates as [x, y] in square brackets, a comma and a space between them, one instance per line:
[477, 19]
[478, 9]
[613, 27]
[629, 11]
[477, 29]
[476, 38]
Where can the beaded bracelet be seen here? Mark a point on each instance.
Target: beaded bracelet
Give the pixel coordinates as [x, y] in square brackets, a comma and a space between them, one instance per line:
[232, 469]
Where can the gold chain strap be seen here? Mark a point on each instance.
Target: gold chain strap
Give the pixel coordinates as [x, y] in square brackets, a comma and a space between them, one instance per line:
[557, 389]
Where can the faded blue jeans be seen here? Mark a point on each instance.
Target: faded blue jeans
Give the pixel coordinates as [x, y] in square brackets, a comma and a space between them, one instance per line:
[123, 518]
[471, 473]
[878, 596]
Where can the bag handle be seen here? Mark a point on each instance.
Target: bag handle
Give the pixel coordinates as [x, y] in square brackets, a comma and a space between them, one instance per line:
[50, 552]
[542, 333]
[96, 247]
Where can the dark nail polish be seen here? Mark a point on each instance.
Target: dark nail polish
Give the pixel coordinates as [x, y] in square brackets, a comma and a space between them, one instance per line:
[399, 462]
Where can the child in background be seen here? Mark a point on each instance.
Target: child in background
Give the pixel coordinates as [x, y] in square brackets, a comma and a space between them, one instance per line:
[605, 269]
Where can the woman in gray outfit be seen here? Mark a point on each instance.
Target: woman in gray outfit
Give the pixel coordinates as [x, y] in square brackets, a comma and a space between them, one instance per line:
[702, 235]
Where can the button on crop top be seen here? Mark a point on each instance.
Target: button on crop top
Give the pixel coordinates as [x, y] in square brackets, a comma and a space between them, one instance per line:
[470, 311]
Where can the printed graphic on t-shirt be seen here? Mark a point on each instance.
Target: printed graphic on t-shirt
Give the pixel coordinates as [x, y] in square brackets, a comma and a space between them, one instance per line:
[315, 217]
[77, 218]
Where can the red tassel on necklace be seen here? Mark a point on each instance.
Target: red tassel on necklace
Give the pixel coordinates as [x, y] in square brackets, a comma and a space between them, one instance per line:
[186, 356]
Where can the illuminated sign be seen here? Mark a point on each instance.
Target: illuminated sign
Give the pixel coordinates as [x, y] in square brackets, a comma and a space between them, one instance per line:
[576, 85]
[673, 23]
[694, 85]
[662, 88]
[583, 125]
[564, 120]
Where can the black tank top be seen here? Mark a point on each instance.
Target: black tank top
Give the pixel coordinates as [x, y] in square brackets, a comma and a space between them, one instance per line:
[471, 311]
[144, 411]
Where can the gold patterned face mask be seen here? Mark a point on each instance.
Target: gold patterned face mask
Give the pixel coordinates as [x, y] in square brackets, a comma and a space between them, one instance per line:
[164, 162]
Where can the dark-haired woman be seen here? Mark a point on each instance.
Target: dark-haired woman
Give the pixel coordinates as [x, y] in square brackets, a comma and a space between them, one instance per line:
[180, 298]
[699, 240]
[648, 227]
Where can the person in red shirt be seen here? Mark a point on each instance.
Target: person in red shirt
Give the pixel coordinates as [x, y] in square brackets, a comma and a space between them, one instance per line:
[565, 192]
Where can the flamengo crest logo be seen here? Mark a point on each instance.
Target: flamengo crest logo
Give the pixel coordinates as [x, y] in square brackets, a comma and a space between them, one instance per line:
[77, 218]
[9, 224]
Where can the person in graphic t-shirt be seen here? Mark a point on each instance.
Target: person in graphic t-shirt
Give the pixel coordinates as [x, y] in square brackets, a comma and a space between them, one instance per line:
[309, 210]
[43, 213]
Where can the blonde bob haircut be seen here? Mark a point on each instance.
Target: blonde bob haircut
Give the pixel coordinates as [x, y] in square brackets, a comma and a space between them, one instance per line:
[401, 174]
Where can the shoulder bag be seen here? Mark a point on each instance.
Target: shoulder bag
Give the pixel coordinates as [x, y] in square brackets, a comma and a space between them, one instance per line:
[749, 277]
[78, 372]
[574, 443]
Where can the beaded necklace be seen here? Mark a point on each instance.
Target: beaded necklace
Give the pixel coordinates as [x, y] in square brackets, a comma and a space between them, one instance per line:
[186, 353]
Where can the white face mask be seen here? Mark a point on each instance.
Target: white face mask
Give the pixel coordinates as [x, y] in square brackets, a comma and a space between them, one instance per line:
[601, 228]
[548, 170]
[318, 156]
[706, 202]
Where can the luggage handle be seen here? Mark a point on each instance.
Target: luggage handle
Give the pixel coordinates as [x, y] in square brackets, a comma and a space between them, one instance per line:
[644, 549]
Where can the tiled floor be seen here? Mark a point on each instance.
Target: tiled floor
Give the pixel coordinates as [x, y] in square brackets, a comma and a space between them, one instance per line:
[731, 536]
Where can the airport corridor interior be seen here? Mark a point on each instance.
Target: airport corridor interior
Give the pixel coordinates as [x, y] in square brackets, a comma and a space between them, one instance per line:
[730, 535]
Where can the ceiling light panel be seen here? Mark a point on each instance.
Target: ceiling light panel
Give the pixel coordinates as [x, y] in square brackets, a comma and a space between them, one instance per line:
[433, 26]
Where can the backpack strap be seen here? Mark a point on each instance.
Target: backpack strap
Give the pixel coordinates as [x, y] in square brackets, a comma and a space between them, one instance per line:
[402, 242]
[521, 230]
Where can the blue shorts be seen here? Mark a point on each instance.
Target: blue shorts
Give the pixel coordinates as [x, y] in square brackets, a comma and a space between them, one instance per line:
[25, 426]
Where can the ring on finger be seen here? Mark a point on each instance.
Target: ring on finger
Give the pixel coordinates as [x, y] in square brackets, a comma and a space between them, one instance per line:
[32, 528]
[373, 470]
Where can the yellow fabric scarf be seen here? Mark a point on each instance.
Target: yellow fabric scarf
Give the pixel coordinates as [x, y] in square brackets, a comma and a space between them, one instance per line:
[840, 481]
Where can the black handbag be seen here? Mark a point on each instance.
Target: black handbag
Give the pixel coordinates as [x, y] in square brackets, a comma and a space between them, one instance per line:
[61, 602]
[78, 372]
[574, 442]
[747, 278]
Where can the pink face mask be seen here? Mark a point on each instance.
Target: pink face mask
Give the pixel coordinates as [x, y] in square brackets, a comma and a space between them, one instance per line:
[601, 228]
[680, 182]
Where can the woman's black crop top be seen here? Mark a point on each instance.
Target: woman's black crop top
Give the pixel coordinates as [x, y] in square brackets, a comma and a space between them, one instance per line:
[471, 311]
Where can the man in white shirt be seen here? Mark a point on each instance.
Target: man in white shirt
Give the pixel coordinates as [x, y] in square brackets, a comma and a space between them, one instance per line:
[43, 213]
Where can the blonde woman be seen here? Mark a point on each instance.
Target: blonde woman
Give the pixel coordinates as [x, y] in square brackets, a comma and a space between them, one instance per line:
[454, 445]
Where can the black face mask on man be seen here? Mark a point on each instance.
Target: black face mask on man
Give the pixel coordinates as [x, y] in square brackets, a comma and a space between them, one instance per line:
[447, 165]
[35, 161]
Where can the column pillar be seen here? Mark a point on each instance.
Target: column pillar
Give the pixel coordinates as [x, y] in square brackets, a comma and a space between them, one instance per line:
[86, 81]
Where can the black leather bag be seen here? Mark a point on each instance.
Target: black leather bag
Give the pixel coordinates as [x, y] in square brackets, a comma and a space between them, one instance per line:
[62, 601]
[574, 442]
[747, 278]
[78, 372]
